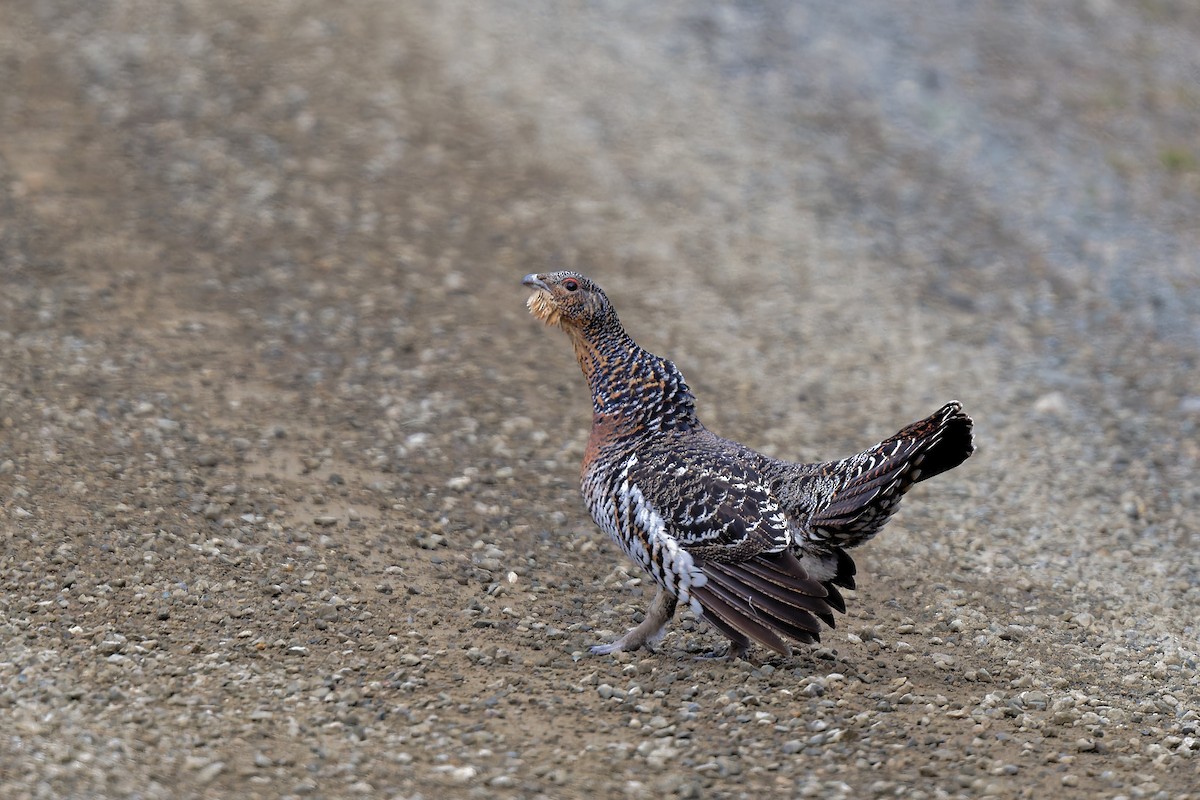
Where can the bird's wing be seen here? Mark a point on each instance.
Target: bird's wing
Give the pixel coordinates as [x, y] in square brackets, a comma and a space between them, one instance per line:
[715, 508]
[719, 519]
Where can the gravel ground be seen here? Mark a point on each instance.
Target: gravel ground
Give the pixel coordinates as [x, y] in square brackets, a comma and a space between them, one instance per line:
[288, 476]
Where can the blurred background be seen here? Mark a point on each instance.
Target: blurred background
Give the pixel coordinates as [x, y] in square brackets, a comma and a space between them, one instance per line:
[260, 267]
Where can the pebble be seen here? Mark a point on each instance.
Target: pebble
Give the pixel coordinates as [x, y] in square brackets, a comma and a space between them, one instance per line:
[459, 775]
[210, 772]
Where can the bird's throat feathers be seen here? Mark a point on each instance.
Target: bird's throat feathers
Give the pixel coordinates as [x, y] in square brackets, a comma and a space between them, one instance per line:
[541, 304]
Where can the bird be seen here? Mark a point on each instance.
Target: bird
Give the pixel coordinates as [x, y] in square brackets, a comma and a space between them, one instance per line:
[756, 546]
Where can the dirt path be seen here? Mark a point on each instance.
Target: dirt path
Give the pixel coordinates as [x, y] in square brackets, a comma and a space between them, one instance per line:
[287, 475]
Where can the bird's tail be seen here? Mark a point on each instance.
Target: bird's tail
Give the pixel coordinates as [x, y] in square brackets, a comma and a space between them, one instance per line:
[871, 483]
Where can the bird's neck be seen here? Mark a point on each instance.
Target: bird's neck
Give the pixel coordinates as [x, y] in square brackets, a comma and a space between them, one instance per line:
[631, 386]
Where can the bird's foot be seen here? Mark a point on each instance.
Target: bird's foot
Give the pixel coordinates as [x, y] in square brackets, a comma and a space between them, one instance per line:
[644, 635]
[611, 647]
[734, 652]
[633, 640]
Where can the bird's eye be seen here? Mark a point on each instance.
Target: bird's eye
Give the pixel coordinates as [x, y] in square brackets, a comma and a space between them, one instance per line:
[570, 284]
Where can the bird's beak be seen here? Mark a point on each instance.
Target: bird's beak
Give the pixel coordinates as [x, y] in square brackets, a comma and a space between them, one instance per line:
[534, 282]
[541, 303]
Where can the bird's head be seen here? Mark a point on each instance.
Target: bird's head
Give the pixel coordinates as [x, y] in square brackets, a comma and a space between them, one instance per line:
[566, 299]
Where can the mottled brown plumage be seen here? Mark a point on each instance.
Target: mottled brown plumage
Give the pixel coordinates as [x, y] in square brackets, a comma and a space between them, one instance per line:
[755, 545]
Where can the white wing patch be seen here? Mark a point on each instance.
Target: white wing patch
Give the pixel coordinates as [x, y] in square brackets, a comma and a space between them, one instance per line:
[649, 544]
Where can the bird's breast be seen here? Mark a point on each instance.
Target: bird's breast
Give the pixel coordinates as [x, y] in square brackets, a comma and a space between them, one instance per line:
[608, 433]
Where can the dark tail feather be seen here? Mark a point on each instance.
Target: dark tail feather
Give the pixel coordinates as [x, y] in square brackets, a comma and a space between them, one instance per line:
[951, 442]
[846, 570]
[835, 599]
[778, 616]
[764, 599]
[737, 617]
[777, 603]
[843, 576]
[740, 640]
[877, 478]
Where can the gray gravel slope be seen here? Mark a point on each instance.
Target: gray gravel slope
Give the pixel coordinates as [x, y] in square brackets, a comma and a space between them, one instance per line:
[287, 475]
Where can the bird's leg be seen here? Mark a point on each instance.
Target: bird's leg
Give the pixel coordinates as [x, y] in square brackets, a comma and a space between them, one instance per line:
[661, 609]
[738, 648]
